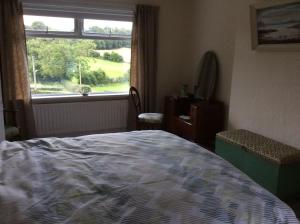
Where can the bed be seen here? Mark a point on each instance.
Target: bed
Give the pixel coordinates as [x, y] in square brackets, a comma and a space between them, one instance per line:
[132, 177]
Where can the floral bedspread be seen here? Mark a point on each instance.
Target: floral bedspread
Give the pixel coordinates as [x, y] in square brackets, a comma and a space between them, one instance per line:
[135, 177]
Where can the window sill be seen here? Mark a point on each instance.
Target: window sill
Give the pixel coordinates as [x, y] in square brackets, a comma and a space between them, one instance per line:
[78, 98]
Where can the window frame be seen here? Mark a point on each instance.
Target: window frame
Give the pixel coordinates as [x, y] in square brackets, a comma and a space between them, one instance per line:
[77, 34]
[78, 31]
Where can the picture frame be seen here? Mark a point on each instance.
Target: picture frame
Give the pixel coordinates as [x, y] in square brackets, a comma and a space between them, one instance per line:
[275, 25]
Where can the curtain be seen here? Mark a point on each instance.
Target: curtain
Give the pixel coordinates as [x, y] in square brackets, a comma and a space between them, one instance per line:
[144, 55]
[13, 65]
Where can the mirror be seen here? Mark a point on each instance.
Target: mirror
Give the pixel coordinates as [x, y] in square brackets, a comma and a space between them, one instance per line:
[208, 72]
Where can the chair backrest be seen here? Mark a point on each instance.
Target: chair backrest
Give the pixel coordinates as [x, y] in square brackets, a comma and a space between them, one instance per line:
[135, 96]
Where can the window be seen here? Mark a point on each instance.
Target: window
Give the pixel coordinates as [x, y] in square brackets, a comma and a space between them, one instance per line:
[77, 56]
[48, 24]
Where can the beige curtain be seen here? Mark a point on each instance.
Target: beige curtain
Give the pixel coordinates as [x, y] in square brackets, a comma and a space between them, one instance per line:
[144, 55]
[13, 65]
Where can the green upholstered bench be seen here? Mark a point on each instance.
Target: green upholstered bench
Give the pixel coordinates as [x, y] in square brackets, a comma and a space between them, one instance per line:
[273, 165]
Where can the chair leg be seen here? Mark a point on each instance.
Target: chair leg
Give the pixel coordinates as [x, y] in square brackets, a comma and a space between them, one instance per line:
[138, 125]
[148, 126]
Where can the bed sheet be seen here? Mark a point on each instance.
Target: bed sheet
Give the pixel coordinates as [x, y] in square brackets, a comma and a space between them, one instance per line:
[133, 177]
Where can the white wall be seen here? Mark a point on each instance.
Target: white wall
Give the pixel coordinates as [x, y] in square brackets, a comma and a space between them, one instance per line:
[214, 27]
[174, 52]
[262, 89]
[265, 96]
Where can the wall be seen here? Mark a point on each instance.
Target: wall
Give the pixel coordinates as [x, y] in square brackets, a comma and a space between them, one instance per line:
[261, 88]
[214, 25]
[265, 96]
[174, 39]
[174, 53]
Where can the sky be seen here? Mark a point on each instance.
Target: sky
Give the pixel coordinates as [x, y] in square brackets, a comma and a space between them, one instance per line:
[67, 24]
[287, 14]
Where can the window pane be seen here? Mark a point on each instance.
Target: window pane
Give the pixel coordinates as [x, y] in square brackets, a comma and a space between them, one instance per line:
[106, 27]
[46, 23]
[72, 66]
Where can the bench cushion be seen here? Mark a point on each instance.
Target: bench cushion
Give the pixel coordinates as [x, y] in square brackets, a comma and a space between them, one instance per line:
[12, 133]
[265, 147]
[152, 118]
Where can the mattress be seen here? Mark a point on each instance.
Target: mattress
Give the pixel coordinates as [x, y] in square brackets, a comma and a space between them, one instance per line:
[134, 177]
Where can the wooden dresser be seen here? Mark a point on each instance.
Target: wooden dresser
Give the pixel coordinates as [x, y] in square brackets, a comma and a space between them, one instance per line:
[206, 119]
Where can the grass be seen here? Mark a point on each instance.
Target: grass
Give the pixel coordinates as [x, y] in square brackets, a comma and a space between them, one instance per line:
[57, 88]
[111, 69]
[124, 52]
[115, 87]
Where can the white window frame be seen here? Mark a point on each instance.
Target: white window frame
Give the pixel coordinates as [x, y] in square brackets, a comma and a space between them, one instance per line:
[78, 14]
[78, 32]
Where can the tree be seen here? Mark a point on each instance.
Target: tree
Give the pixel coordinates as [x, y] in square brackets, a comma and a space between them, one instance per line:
[38, 25]
[34, 48]
[83, 47]
[95, 78]
[116, 57]
[57, 59]
[110, 44]
[100, 44]
[106, 56]
[95, 29]
[113, 56]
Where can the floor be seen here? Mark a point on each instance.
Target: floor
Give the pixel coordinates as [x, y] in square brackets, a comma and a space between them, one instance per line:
[295, 205]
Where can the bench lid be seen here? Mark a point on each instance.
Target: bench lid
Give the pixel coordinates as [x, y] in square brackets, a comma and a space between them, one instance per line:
[262, 146]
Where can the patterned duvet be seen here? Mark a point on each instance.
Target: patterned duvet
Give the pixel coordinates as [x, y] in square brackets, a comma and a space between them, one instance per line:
[134, 177]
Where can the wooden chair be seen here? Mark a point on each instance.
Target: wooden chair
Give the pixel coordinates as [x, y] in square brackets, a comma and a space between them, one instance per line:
[144, 120]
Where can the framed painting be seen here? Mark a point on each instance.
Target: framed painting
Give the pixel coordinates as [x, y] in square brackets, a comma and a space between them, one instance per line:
[276, 25]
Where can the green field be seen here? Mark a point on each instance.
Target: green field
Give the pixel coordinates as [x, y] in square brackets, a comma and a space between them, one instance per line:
[111, 69]
[115, 87]
[124, 52]
[60, 88]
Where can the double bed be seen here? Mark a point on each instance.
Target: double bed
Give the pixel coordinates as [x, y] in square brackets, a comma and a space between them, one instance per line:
[133, 177]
